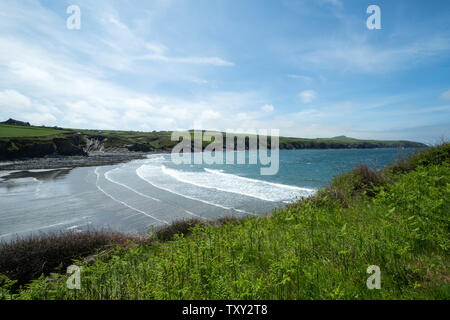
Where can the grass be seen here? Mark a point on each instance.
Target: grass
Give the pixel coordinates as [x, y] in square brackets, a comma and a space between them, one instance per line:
[317, 248]
[10, 131]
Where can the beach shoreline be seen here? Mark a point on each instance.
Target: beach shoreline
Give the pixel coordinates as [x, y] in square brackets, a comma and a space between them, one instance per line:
[56, 162]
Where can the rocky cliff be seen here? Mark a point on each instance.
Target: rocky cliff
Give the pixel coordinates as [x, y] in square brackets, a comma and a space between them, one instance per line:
[12, 149]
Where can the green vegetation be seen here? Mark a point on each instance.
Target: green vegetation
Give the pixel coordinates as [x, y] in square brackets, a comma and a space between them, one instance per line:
[317, 248]
[10, 131]
[343, 143]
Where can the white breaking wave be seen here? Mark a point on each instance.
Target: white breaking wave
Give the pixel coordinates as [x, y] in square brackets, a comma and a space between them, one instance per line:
[47, 170]
[78, 226]
[155, 157]
[141, 173]
[195, 215]
[107, 176]
[6, 173]
[39, 228]
[124, 203]
[219, 172]
[263, 190]
[128, 187]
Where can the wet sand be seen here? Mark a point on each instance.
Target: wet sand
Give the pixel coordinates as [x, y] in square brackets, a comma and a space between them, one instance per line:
[46, 201]
[93, 160]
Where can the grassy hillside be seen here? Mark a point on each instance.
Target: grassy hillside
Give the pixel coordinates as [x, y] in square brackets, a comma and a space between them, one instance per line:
[317, 248]
[25, 141]
[343, 143]
[10, 131]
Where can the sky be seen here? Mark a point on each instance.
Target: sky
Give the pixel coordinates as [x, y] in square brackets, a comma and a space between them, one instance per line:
[310, 68]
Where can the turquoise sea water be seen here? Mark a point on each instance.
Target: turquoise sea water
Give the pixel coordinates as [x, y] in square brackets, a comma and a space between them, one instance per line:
[308, 168]
[132, 196]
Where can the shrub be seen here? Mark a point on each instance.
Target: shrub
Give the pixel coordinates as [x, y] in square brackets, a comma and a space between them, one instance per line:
[183, 227]
[25, 259]
[227, 220]
[362, 181]
[5, 287]
[436, 155]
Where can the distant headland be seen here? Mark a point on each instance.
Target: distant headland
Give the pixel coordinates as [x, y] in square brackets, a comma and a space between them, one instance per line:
[21, 140]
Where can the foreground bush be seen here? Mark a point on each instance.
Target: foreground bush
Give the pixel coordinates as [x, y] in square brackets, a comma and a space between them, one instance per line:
[185, 226]
[356, 184]
[436, 155]
[25, 259]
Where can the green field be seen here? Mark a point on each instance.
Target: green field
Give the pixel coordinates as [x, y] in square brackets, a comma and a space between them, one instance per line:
[9, 131]
[317, 248]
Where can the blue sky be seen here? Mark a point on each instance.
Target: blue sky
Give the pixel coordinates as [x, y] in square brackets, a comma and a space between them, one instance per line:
[308, 68]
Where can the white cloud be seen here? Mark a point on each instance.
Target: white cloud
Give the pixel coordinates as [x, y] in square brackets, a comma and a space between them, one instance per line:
[446, 95]
[300, 77]
[14, 100]
[215, 61]
[362, 56]
[38, 118]
[106, 78]
[309, 115]
[130, 48]
[336, 3]
[307, 96]
[198, 80]
[56, 90]
[267, 108]
[64, 89]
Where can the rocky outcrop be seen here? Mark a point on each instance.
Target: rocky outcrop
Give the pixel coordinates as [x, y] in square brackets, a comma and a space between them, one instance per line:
[94, 144]
[141, 147]
[13, 149]
[14, 122]
[68, 147]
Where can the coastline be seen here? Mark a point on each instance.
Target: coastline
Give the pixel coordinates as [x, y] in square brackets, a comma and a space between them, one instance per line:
[92, 160]
[349, 218]
[97, 158]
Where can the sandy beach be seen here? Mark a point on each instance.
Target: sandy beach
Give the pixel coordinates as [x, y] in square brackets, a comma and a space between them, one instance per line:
[93, 160]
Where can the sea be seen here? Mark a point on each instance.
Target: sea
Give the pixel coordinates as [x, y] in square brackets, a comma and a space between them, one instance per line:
[143, 195]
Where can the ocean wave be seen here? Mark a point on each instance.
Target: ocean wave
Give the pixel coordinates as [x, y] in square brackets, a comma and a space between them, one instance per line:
[144, 172]
[40, 228]
[218, 180]
[279, 185]
[155, 157]
[122, 202]
[107, 177]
